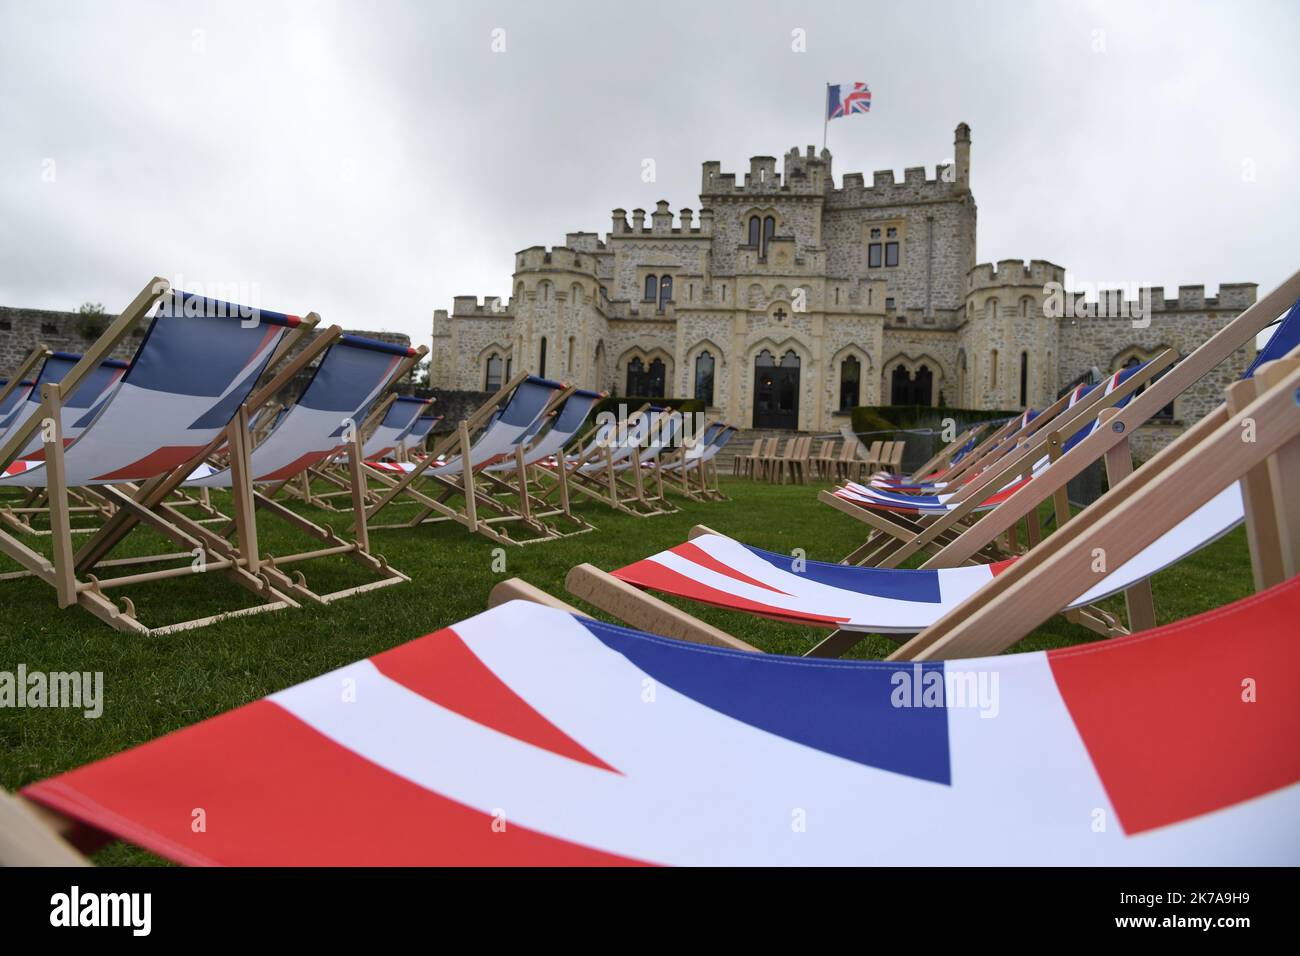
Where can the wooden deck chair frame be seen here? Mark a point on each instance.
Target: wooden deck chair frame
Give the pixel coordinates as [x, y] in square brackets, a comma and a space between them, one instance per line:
[263, 498]
[521, 487]
[621, 488]
[688, 476]
[942, 459]
[420, 486]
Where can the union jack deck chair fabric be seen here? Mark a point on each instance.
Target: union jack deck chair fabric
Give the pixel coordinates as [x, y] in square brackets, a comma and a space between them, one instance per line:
[526, 736]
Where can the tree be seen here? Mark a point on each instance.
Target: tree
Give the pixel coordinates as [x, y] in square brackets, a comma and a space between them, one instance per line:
[91, 320]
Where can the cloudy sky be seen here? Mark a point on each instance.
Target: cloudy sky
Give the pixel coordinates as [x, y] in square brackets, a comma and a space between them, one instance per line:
[370, 160]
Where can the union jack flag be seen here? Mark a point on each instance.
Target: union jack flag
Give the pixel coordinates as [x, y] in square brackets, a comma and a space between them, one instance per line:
[856, 100]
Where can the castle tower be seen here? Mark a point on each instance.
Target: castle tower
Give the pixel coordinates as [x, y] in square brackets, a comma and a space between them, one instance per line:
[555, 307]
[1010, 348]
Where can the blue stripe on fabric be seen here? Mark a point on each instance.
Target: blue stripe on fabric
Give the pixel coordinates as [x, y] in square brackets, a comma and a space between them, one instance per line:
[1284, 340]
[575, 411]
[843, 708]
[197, 356]
[896, 583]
[527, 401]
[345, 377]
[360, 342]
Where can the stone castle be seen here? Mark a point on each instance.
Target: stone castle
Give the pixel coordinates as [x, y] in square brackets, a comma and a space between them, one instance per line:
[792, 299]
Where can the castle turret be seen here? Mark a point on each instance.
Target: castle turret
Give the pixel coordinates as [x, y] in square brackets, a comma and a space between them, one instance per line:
[961, 154]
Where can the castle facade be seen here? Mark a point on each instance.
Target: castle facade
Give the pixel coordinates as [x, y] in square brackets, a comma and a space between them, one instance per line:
[792, 299]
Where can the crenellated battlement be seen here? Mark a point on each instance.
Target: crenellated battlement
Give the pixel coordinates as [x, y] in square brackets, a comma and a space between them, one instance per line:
[492, 306]
[556, 259]
[661, 222]
[805, 173]
[1110, 303]
[1014, 272]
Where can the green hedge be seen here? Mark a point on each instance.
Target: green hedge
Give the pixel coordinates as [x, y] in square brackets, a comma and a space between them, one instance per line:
[885, 418]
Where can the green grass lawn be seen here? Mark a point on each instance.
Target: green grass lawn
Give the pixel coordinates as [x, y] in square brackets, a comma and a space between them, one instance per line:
[158, 684]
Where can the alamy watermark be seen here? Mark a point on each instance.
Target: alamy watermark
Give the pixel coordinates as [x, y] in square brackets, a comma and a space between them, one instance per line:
[76, 689]
[1097, 300]
[945, 687]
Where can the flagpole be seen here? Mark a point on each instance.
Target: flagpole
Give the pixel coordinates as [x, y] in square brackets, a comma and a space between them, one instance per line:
[826, 118]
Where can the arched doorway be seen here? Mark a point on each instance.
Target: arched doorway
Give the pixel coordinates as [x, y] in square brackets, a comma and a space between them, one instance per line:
[776, 390]
[908, 389]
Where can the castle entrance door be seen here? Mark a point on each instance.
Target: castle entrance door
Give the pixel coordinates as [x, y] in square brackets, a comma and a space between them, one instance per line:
[776, 390]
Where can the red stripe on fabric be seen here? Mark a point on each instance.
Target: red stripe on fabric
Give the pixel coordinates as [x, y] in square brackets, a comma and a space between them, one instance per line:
[299, 465]
[155, 463]
[997, 567]
[1006, 493]
[39, 454]
[292, 321]
[694, 553]
[650, 574]
[882, 506]
[443, 669]
[1162, 713]
[274, 791]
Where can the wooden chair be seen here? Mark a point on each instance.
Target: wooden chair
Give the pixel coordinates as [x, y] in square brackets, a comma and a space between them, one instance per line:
[824, 461]
[746, 466]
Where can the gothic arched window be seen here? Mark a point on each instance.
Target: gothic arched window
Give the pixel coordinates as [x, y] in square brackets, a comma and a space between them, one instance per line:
[494, 366]
[755, 231]
[704, 377]
[850, 376]
[651, 288]
[665, 291]
[541, 358]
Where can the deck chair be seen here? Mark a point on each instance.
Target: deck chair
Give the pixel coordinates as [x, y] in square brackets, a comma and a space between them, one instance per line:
[387, 426]
[186, 393]
[709, 463]
[528, 476]
[1139, 728]
[949, 456]
[948, 544]
[934, 603]
[608, 468]
[413, 445]
[15, 389]
[691, 471]
[321, 423]
[445, 485]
